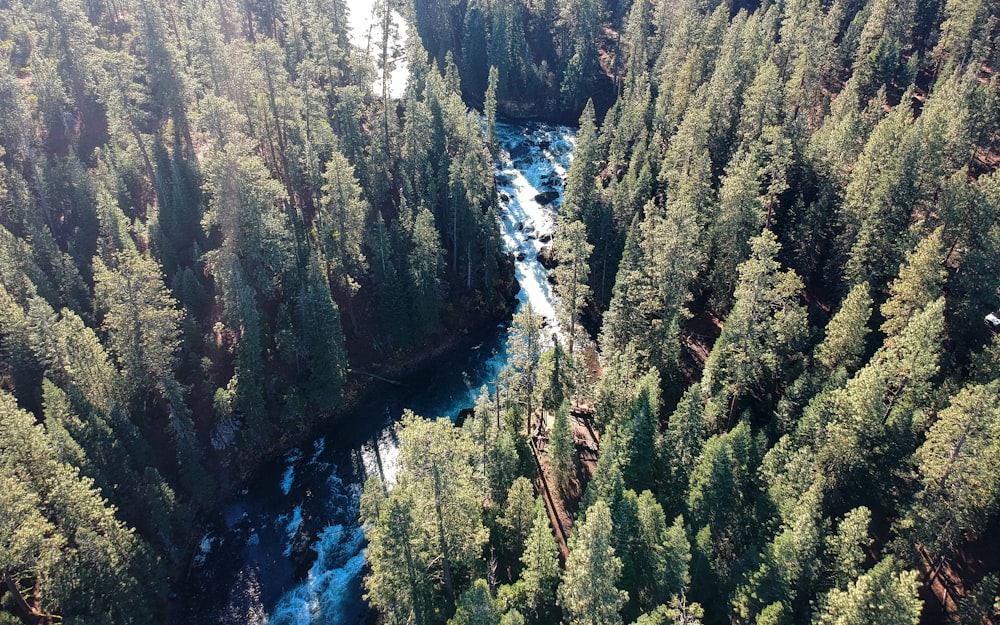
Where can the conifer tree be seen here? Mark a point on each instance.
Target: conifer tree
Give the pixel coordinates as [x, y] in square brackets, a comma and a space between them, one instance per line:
[476, 606]
[541, 568]
[340, 225]
[524, 346]
[762, 338]
[918, 284]
[884, 594]
[141, 318]
[846, 547]
[959, 489]
[561, 448]
[573, 253]
[588, 593]
[519, 510]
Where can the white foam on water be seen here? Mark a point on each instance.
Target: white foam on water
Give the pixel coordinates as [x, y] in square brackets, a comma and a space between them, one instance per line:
[387, 456]
[205, 548]
[329, 593]
[288, 478]
[292, 530]
[526, 170]
[319, 446]
[320, 598]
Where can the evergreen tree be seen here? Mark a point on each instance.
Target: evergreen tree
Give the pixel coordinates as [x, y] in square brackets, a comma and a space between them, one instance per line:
[846, 548]
[524, 349]
[588, 592]
[142, 320]
[519, 510]
[572, 251]
[762, 338]
[476, 606]
[918, 284]
[884, 595]
[959, 490]
[541, 570]
[427, 533]
[340, 225]
[561, 448]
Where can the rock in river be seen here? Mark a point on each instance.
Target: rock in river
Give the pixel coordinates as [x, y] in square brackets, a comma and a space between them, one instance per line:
[547, 197]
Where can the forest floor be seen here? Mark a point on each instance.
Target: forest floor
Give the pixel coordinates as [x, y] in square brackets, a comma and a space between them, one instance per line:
[563, 503]
[697, 338]
[942, 591]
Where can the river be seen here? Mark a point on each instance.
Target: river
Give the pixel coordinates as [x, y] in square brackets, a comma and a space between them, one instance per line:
[288, 549]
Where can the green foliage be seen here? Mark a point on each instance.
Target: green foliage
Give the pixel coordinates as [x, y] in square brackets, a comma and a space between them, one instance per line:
[541, 569]
[588, 593]
[561, 449]
[959, 490]
[742, 164]
[426, 535]
[918, 284]
[524, 348]
[519, 511]
[762, 339]
[60, 538]
[884, 594]
[476, 606]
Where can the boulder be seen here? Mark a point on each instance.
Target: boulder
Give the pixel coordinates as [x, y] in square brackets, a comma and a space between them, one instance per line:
[547, 197]
[546, 258]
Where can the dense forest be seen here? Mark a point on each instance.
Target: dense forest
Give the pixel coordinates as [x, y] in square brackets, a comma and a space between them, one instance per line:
[208, 217]
[781, 229]
[777, 243]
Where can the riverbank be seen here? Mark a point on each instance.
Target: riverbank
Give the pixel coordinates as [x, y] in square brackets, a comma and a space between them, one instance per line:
[464, 328]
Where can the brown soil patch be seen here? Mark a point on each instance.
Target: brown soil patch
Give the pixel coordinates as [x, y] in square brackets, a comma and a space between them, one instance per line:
[562, 504]
[943, 589]
[697, 339]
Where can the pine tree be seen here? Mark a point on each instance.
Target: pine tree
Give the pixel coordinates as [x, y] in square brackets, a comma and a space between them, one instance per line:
[878, 201]
[320, 341]
[341, 226]
[918, 284]
[846, 547]
[572, 251]
[681, 446]
[476, 606]
[60, 537]
[424, 264]
[141, 318]
[519, 510]
[556, 372]
[642, 427]
[843, 346]
[541, 568]
[959, 490]
[762, 338]
[720, 505]
[583, 21]
[395, 585]
[524, 349]
[588, 593]
[490, 110]
[884, 595]
[561, 448]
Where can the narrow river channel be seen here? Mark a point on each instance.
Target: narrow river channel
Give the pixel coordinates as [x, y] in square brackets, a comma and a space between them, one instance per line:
[288, 548]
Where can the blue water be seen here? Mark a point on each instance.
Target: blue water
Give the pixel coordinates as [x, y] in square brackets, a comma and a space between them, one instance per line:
[288, 549]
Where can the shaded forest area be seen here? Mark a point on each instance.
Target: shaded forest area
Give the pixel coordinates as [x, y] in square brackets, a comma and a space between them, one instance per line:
[784, 236]
[208, 215]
